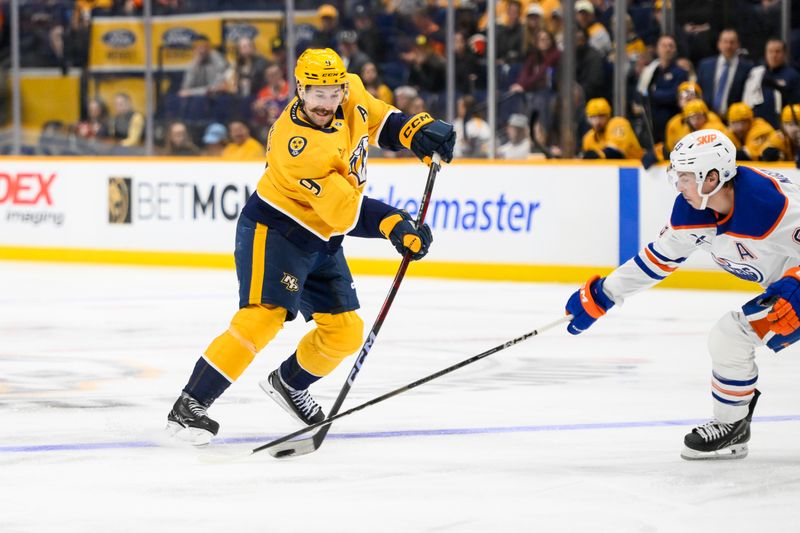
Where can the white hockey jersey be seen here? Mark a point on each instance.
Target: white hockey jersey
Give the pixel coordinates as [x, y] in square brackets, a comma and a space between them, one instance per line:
[757, 241]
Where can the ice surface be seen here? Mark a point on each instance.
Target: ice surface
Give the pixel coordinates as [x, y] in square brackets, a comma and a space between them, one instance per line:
[559, 433]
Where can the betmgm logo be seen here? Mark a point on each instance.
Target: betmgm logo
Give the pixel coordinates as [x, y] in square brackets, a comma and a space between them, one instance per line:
[119, 200]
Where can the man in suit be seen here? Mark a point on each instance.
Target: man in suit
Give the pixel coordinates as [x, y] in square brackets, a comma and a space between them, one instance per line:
[771, 86]
[659, 84]
[722, 77]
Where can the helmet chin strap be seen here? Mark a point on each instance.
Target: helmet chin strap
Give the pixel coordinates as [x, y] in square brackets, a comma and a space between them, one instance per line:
[705, 197]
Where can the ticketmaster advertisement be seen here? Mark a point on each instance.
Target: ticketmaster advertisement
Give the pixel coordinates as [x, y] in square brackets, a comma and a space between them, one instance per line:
[479, 213]
[486, 214]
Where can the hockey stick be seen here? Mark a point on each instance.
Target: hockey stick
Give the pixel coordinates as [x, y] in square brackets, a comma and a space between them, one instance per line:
[312, 443]
[648, 123]
[286, 447]
[532, 132]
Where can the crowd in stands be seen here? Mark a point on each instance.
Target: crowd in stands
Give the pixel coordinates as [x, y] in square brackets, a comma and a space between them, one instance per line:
[724, 66]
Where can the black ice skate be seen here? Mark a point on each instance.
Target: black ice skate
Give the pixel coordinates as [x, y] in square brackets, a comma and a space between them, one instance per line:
[188, 421]
[298, 403]
[716, 440]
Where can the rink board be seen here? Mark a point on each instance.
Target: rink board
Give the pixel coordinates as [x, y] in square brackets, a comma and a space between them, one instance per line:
[491, 220]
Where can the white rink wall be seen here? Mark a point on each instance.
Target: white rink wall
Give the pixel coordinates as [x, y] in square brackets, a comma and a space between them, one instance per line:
[529, 220]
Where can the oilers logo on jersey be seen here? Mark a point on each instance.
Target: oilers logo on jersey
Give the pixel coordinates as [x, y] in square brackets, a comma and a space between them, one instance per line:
[740, 270]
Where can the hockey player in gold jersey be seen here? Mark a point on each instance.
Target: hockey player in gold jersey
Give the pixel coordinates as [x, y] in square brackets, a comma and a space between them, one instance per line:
[288, 239]
[750, 134]
[610, 137]
[782, 144]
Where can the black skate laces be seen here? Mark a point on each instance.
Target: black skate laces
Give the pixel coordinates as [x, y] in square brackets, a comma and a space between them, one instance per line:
[304, 401]
[713, 430]
[196, 407]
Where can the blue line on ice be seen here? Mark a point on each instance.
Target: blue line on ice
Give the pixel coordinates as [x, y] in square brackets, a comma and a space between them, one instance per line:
[260, 439]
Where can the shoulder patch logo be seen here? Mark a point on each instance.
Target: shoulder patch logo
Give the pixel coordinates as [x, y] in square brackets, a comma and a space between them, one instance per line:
[296, 145]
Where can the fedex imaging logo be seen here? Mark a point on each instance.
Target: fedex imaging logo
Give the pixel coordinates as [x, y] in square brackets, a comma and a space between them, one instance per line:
[30, 198]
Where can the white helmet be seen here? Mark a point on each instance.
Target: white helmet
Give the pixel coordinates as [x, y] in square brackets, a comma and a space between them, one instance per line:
[701, 152]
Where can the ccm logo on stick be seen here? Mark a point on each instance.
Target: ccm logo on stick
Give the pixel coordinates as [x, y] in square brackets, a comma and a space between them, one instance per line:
[26, 188]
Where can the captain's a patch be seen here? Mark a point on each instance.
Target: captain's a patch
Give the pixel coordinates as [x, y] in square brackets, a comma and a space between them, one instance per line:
[296, 145]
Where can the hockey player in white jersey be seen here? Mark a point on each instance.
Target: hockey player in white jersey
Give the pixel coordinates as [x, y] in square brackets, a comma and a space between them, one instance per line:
[749, 221]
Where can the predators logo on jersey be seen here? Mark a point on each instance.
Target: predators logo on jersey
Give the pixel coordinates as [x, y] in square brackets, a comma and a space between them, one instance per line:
[296, 145]
[358, 161]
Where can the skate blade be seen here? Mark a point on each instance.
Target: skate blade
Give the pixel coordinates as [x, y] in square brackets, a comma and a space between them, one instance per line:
[277, 398]
[193, 436]
[737, 451]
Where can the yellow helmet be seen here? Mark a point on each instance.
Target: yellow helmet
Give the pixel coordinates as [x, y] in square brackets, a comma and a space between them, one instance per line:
[695, 107]
[690, 86]
[320, 66]
[788, 116]
[739, 111]
[598, 106]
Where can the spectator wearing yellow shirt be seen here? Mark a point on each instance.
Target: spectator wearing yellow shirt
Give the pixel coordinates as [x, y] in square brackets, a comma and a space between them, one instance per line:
[610, 137]
[782, 144]
[373, 83]
[688, 91]
[695, 116]
[749, 134]
[242, 145]
[127, 125]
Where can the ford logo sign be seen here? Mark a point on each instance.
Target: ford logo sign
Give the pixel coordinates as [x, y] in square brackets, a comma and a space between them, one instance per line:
[235, 32]
[178, 38]
[119, 38]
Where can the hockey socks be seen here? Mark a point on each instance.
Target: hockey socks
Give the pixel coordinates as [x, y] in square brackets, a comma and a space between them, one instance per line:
[295, 375]
[206, 383]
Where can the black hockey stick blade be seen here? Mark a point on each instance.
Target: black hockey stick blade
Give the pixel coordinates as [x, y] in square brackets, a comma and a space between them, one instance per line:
[295, 447]
[286, 447]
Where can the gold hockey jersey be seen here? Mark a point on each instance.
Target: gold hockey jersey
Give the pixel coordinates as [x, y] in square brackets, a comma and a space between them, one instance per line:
[756, 138]
[618, 134]
[316, 176]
